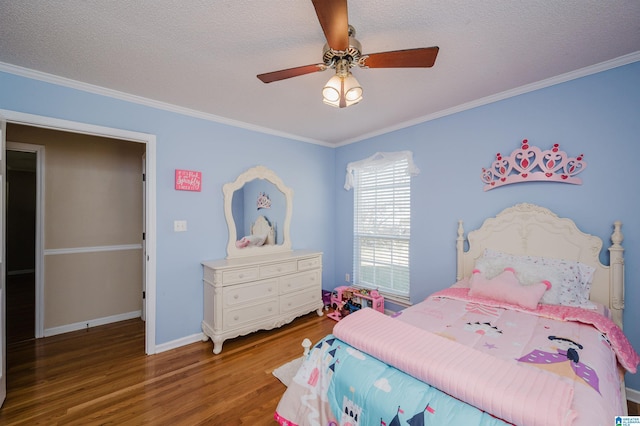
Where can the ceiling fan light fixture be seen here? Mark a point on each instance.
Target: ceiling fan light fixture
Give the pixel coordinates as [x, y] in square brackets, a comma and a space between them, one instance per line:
[331, 90]
[341, 92]
[342, 52]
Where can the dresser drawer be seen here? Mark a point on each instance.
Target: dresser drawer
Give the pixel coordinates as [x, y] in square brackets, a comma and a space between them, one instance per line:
[245, 293]
[300, 281]
[240, 275]
[259, 292]
[294, 301]
[276, 269]
[234, 318]
[309, 263]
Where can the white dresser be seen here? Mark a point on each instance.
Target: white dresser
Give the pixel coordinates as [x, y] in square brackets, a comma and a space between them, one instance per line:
[254, 293]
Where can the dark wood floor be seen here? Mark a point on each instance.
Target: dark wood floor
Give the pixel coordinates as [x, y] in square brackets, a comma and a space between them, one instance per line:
[101, 376]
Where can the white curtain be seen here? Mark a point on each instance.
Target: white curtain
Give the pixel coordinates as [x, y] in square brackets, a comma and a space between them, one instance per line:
[380, 160]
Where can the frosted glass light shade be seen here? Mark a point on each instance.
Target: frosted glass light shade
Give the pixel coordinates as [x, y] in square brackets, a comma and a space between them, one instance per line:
[342, 92]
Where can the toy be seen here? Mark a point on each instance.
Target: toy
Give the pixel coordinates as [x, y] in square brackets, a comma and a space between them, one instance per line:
[346, 300]
[326, 299]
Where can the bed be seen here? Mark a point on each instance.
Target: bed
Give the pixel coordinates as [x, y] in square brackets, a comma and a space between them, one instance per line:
[262, 233]
[530, 334]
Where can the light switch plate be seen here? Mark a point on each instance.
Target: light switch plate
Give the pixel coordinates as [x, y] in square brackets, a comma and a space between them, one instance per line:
[179, 225]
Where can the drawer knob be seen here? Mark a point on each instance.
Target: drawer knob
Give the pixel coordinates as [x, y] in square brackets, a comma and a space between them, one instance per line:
[236, 318]
[235, 296]
[240, 275]
[270, 289]
[270, 309]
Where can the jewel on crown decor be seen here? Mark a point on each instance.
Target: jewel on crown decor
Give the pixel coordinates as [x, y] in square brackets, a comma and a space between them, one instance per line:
[529, 163]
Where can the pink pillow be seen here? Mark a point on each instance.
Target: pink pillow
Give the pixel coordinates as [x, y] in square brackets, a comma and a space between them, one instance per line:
[505, 287]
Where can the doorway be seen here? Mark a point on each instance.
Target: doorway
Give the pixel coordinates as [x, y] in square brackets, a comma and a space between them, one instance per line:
[149, 142]
[92, 222]
[20, 280]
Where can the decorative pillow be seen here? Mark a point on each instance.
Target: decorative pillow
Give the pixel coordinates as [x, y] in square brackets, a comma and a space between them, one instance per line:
[526, 273]
[251, 240]
[256, 240]
[575, 277]
[505, 287]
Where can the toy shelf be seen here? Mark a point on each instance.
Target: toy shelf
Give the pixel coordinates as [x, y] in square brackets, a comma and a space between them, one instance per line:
[346, 300]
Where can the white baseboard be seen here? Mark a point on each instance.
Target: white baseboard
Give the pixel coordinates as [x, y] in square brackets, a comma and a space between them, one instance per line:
[183, 341]
[633, 395]
[90, 323]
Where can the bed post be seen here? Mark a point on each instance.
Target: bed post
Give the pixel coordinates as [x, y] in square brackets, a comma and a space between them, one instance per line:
[460, 252]
[616, 274]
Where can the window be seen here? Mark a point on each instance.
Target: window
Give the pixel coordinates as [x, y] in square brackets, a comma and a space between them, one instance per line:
[382, 221]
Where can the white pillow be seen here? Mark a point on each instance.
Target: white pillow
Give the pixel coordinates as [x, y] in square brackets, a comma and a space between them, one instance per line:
[574, 277]
[256, 240]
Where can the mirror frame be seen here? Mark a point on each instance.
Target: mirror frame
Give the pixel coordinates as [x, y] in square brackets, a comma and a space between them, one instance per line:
[258, 172]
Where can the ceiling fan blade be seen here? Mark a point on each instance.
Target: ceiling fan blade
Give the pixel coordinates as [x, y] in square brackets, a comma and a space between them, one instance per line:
[290, 72]
[334, 21]
[423, 57]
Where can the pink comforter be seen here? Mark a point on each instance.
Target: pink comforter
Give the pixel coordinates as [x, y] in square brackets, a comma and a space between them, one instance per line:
[518, 395]
[553, 365]
[627, 356]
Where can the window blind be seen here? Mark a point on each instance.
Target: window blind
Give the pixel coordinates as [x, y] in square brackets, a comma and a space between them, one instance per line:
[382, 228]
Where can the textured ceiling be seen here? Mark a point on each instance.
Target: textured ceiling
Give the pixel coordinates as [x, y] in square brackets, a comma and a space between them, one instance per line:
[203, 56]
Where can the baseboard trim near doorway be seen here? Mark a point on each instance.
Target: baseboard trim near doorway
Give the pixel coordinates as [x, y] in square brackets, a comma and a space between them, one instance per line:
[83, 325]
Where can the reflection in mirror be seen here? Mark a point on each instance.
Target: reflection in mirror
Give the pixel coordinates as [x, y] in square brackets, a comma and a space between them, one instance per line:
[255, 199]
[258, 212]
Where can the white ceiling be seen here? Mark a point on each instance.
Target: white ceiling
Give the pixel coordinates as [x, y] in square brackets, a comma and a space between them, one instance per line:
[202, 56]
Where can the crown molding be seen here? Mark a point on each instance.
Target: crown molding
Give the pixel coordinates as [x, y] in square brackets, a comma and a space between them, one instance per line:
[86, 87]
[562, 78]
[98, 90]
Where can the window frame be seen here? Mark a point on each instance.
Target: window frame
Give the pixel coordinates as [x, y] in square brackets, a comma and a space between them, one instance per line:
[386, 182]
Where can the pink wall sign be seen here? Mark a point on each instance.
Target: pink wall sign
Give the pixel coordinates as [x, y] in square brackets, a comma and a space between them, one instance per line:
[188, 180]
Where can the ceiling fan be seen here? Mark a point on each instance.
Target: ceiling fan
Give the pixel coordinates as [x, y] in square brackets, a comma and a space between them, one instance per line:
[343, 52]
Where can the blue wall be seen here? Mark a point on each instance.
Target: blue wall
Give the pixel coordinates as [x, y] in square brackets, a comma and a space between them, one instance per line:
[595, 115]
[598, 115]
[221, 153]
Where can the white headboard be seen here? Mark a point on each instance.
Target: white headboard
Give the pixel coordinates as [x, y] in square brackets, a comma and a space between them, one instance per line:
[527, 229]
[262, 227]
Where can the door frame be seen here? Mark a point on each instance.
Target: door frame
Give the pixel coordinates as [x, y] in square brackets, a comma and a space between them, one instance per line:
[149, 202]
[3, 267]
[39, 150]
[143, 314]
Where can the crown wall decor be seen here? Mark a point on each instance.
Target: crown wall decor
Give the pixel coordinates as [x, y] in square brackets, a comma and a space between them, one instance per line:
[529, 163]
[263, 202]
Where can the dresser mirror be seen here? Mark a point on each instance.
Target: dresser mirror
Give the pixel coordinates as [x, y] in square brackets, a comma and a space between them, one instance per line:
[257, 207]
